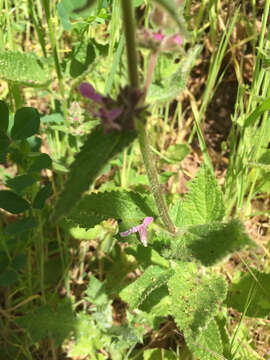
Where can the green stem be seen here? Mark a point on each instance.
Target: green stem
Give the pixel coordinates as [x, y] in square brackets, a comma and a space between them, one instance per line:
[52, 37]
[139, 123]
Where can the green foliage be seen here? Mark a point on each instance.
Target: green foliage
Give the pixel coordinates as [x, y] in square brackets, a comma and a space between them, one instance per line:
[82, 56]
[4, 116]
[195, 299]
[159, 354]
[23, 68]
[42, 196]
[20, 182]
[96, 292]
[12, 202]
[56, 321]
[204, 201]
[97, 150]
[153, 278]
[208, 345]
[264, 106]
[127, 207]
[249, 293]
[172, 9]
[4, 143]
[210, 243]
[21, 226]
[176, 153]
[26, 123]
[40, 161]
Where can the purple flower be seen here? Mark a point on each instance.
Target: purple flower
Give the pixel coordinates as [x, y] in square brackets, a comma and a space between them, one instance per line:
[106, 108]
[142, 229]
[116, 114]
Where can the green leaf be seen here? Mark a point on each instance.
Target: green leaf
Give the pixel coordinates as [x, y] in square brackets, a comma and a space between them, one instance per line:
[96, 292]
[12, 202]
[173, 10]
[4, 115]
[41, 161]
[195, 299]
[21, 226]
[265, 158]
[208, 344]
[23, 68]
[210, 243]
[128, 207]
[20, 182]
[249, 293]
[55, 322]
[88, 337]
[26, 123]
[153, 278]
[4, 143]
[176, 153]
[42, 196]
[204, 201]
[169, 89]
[265, 106]
[82, 56]
[159, 354]
[99, 148]
[8, 278]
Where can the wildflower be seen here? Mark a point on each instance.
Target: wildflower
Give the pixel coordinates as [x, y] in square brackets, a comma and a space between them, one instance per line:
[157, 41]
[114, 114]
[141, 229]
[105, 107]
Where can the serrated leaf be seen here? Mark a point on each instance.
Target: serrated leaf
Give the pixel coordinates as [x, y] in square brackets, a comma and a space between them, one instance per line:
[26, 123]
[12, 202]
[53, 321]
[20, 182]
[21, 226]
[128, 207]
[4, 115]
[171, 7]
[96, 292]
[195, 299]
[249, 293]
[208, 345]
[88, 337]
[42, 196]
[204, 201]
[41, 161]
[210, 243]
[170, 88]
[153, 278]
[98, 149]
[23, 68]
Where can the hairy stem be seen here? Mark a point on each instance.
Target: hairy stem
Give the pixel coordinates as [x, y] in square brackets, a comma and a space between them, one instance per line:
[139, 124]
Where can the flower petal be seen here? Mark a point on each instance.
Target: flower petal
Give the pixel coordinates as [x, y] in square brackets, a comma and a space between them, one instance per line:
[130, 231]
[89, 92]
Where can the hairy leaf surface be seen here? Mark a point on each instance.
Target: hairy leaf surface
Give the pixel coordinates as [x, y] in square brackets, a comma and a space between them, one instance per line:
[153, 278]
[208, 345]
[23, 68]
[128, 207]
[97, 150]
[210, 243]
[195, 299]
[204, 201]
